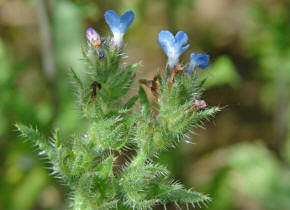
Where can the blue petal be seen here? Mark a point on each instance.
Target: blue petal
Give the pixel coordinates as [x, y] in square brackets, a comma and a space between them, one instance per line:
[166, 36]
[183, 49]
[166, 40]
[91, 34]
[204, 65]
[201, 60]
[181, 38]
[100, 53]
[112, 19]
[192, 56]
[126, 20]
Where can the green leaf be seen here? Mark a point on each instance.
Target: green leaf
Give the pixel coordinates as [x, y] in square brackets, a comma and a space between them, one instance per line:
[76, 79]
[130, 103]
[57, 138]
[185, 196]
[144, 102]
[35, 137]
[109, 205]
[105, 169]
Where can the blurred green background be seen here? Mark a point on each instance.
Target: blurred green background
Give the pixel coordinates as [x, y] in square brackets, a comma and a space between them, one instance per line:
[242, 159]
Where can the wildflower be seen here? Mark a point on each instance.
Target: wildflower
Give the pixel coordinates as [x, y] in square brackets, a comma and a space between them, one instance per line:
[198, 60]
[198, 104]
[173, 46]
[118, 25]
[95, 40]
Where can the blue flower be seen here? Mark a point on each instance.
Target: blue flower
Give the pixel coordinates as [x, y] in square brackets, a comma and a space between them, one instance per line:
[118, 25]
[173, 46]
[95, 40]
[198, 60]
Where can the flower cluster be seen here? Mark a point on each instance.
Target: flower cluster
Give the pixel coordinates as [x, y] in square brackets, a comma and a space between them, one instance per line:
[173, 46]
[117, 25]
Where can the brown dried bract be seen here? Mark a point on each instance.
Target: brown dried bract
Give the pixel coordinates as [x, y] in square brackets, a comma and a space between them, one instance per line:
[146, 82]
[152, 84]
[198, 104]
[94, 86]
[97, 43]
[154, 87]
[177, 70]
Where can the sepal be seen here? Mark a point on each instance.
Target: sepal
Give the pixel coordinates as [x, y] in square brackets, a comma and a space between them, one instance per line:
[144, 102]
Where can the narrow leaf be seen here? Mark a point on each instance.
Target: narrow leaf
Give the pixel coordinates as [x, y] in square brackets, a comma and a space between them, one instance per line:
[35, 137]
[76, 79]
[144, 102]
[130, 103]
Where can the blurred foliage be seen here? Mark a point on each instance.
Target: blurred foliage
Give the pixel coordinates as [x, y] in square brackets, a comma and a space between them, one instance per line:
[224, 73]
[250, 48]
[252, 173]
